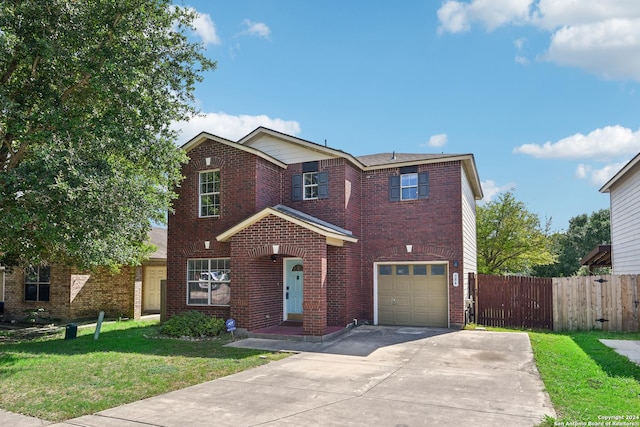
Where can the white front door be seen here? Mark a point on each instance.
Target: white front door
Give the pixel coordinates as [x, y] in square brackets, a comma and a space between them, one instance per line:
[293, 289]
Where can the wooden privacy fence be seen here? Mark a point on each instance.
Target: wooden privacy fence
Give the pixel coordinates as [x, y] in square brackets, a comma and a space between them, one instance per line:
[609, 303]
[513, 301]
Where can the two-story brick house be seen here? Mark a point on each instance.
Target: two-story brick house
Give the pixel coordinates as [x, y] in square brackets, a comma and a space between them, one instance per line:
[274, 228]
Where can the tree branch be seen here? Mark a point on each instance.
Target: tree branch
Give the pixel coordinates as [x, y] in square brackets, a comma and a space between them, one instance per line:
[13, 65]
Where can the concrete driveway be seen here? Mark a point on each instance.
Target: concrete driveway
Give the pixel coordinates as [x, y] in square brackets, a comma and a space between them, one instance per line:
[382, 376]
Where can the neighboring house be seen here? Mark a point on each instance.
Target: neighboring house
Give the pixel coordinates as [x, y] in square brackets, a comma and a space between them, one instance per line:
[273, 228]
[624, 193]
[68, 294]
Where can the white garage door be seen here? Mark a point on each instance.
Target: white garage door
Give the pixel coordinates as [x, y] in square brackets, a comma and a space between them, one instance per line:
[413, 295]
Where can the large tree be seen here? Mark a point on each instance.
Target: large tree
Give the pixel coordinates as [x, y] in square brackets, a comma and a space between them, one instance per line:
[88, 90]
[585, 232]
[510, 238]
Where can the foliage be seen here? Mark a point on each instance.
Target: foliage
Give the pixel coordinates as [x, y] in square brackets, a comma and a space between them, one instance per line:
[126, 364]
[585, 232]
[193, 324]
[586, 379]
[88, 91]
[510, 238]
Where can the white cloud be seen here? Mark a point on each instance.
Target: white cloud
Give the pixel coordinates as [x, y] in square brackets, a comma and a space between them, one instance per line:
[598, 176]
[457, 16]
[232, 127]
[608, 48]
[609, 142]
[205, 28]
[438, 140]
[490, 189]
[600, 37]
[257, 29]
[551, 14]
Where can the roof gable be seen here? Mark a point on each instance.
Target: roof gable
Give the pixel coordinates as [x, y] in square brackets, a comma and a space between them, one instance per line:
[290, 149]
[335, 235]
[204, 136]
[627, 169]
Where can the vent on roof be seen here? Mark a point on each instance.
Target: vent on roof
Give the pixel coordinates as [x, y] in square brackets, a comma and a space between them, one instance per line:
[393, 156]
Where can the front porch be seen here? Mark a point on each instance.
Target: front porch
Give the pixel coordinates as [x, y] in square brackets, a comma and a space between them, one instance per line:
[293, 331]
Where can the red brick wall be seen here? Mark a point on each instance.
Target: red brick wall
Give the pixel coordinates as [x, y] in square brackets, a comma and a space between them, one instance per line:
[75, 295]
[433, 226]
[256, 297]
[239, 199]
[358, 201]
[332, 209]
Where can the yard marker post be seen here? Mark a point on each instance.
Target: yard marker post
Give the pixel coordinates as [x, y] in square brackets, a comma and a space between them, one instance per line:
[98, 325]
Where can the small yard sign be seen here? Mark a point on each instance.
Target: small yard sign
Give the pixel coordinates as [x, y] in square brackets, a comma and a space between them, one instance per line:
[231, 325]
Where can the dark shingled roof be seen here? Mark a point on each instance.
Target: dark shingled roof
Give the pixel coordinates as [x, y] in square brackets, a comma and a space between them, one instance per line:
[312, 220]
[394, 158]
[158, 237]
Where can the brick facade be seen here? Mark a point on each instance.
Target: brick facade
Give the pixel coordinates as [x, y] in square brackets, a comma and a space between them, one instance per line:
[338, 277]
[76, 295]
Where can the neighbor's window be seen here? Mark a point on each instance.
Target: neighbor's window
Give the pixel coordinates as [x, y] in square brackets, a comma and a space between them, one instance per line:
[37, 283]
[310, 185]
[208, 281]
[210, 193]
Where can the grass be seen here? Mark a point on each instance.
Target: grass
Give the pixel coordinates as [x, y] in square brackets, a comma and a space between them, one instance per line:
[585, 379]
[56, 379]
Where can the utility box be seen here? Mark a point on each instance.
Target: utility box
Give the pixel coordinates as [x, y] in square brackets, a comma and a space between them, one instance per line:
[71, 331]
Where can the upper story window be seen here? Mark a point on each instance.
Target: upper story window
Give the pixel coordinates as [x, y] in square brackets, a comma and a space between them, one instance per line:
[37, 282]
[310, 182]
[209, 193]
[409, 185]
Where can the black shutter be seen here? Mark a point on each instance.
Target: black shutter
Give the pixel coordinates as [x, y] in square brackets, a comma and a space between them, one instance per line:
[423, 185]
[323, 185]
[394, 188]
[296, 187]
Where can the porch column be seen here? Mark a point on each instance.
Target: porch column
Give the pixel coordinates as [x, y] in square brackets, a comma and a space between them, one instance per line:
[314, 303]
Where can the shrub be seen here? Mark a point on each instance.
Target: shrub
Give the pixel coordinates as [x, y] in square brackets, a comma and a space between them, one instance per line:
[193, 324]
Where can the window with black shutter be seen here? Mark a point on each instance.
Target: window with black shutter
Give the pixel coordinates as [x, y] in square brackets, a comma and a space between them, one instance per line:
[311, 184]
[409, 185]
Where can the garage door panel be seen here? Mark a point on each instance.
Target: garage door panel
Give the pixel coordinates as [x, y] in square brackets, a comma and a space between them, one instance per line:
[413, 299]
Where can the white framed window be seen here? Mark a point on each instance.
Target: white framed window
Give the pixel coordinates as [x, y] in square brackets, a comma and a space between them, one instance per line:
[209, 193]
[208, 281]
[409, 186]
[37, 283]
[310, 184]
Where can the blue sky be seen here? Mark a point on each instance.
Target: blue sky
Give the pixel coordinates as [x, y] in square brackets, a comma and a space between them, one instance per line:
[544, 93]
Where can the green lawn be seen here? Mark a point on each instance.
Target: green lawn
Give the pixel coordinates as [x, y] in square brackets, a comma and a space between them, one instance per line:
[587, 380]
[56, 379]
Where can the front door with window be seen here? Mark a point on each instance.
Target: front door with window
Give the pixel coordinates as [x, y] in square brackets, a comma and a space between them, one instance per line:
[293, 285]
